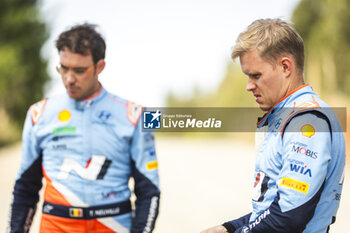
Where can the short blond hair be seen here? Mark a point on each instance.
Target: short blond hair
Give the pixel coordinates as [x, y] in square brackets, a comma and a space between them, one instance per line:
[273, 38]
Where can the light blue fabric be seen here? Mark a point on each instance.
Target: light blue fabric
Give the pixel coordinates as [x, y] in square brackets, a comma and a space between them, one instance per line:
[90, 147]
[309, 159]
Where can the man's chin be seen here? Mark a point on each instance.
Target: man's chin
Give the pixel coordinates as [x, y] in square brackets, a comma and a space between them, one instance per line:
[264, 108]
[75, 96]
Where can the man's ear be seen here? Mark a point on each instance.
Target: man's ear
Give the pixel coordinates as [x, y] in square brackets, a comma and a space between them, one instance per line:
[100, 66]
[287, 65]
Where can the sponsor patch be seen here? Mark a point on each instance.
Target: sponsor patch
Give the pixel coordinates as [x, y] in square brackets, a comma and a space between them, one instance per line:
[63, 130]
[149, 137]
[104, 115]
[302, 169]
[152, 165]
[36, 110]
[295, 184]
[307, 130]
[152, 214]
[337, 196]
[47, 208]
[59, 147]
[111, 195]
[278, 123]
[256, 222]
[296, 161]
[134, 112]
[150, 152]
[95, 169]
[304, 151]
[260, 187]
[64, 116]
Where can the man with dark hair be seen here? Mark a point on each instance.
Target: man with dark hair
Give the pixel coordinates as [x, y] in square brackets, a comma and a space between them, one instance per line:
[83, 39]
[87, 144]
[300, 159]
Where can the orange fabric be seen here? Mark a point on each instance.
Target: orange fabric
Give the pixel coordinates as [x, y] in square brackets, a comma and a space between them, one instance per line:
[52, 195]
[54, 224]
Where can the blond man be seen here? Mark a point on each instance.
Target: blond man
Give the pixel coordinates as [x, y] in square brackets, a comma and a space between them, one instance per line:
[300, 161]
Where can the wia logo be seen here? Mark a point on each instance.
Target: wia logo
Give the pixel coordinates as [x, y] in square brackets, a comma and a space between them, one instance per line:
[300, 169]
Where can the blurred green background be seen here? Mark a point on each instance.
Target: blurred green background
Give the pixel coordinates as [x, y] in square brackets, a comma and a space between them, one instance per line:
[324, 25]
[22, 68]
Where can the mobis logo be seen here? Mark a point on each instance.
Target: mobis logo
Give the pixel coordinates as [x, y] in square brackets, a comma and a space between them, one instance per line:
[304, 151]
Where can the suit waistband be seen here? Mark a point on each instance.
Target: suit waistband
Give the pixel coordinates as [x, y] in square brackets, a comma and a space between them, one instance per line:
[92, 212]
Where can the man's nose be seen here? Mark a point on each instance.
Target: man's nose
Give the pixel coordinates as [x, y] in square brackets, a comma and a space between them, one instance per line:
[70, 78]
[250, 84]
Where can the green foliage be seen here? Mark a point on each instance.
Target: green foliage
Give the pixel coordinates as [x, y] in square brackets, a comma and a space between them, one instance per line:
[230, 93]
[325, 27]
[197, 99]
[22, 69]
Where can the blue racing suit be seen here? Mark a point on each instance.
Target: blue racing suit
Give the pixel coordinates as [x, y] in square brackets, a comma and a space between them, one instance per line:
[299, 168]
[87, 151]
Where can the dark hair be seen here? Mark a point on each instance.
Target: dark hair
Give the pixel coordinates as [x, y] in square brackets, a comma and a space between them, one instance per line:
[83, 39]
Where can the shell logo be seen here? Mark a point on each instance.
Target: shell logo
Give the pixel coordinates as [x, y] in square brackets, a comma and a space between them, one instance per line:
[64, 115]
[308, 130]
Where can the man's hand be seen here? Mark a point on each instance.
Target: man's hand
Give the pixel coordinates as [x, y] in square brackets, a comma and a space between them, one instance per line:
[216, 229]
